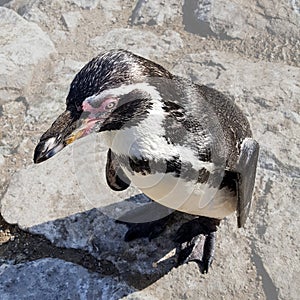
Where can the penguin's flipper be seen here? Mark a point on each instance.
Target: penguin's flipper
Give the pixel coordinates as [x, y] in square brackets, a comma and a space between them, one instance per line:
[246, 170]
[115, 177]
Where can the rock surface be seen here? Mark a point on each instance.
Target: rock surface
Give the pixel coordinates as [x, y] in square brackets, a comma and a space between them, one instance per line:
[155, 12]
[134, 39]
[248, 50]
[28, 47]
[86, 4]
[233, 19]
[72, 19]
[50, 278]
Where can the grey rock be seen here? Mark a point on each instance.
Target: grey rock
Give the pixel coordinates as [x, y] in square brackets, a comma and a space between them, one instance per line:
[86, 4]
[33, 14]
[3, 2]
[27, 9]
[45, 108]
[18, 58]
[71, 19]
[155, 12]
[142, 42]
[57, 279]
[296, 6]
[186, 282]
[107, 6]
[2, 160]
[36, 11]
[228, 19]
[277, 226]
[111, 8]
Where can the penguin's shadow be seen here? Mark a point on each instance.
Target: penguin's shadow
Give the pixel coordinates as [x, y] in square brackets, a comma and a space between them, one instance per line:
[137, 263]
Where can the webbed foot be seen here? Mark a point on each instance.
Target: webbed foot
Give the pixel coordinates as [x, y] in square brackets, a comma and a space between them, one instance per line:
[141, 230]
[149, 220]
[197, 242]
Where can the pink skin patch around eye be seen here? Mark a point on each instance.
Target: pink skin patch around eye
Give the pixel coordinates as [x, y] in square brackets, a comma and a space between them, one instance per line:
[97, 113]
[96, 110]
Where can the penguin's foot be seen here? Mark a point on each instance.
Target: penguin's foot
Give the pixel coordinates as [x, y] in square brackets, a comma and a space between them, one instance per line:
[140, 221]
[197, 242]
[141, 230]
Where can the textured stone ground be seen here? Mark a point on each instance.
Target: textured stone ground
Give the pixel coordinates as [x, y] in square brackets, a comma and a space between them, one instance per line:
[58, 237]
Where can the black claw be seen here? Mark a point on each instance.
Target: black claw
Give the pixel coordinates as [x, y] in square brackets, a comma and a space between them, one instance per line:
[199, 247]
[208, 250]
[184, 253]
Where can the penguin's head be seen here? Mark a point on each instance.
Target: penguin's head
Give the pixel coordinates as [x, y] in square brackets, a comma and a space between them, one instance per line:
[109, 93]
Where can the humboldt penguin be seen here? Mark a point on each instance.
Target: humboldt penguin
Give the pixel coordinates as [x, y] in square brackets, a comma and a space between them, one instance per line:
[188, 147]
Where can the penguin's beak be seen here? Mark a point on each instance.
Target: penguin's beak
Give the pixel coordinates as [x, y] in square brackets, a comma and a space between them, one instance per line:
[46, 149]
[72, 125]
[65, 130]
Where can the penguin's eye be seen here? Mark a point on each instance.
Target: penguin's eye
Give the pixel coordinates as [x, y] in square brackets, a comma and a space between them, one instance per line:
[110, 105]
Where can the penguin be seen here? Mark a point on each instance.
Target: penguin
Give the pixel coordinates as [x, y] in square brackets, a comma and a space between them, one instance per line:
[187, 147]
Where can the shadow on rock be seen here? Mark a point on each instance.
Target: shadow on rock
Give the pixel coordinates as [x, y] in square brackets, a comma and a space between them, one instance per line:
[138, 263]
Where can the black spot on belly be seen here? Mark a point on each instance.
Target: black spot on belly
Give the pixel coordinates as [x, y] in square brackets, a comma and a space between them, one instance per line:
[141, 166]
[218, 179]
[174, 166]
[203, 176]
